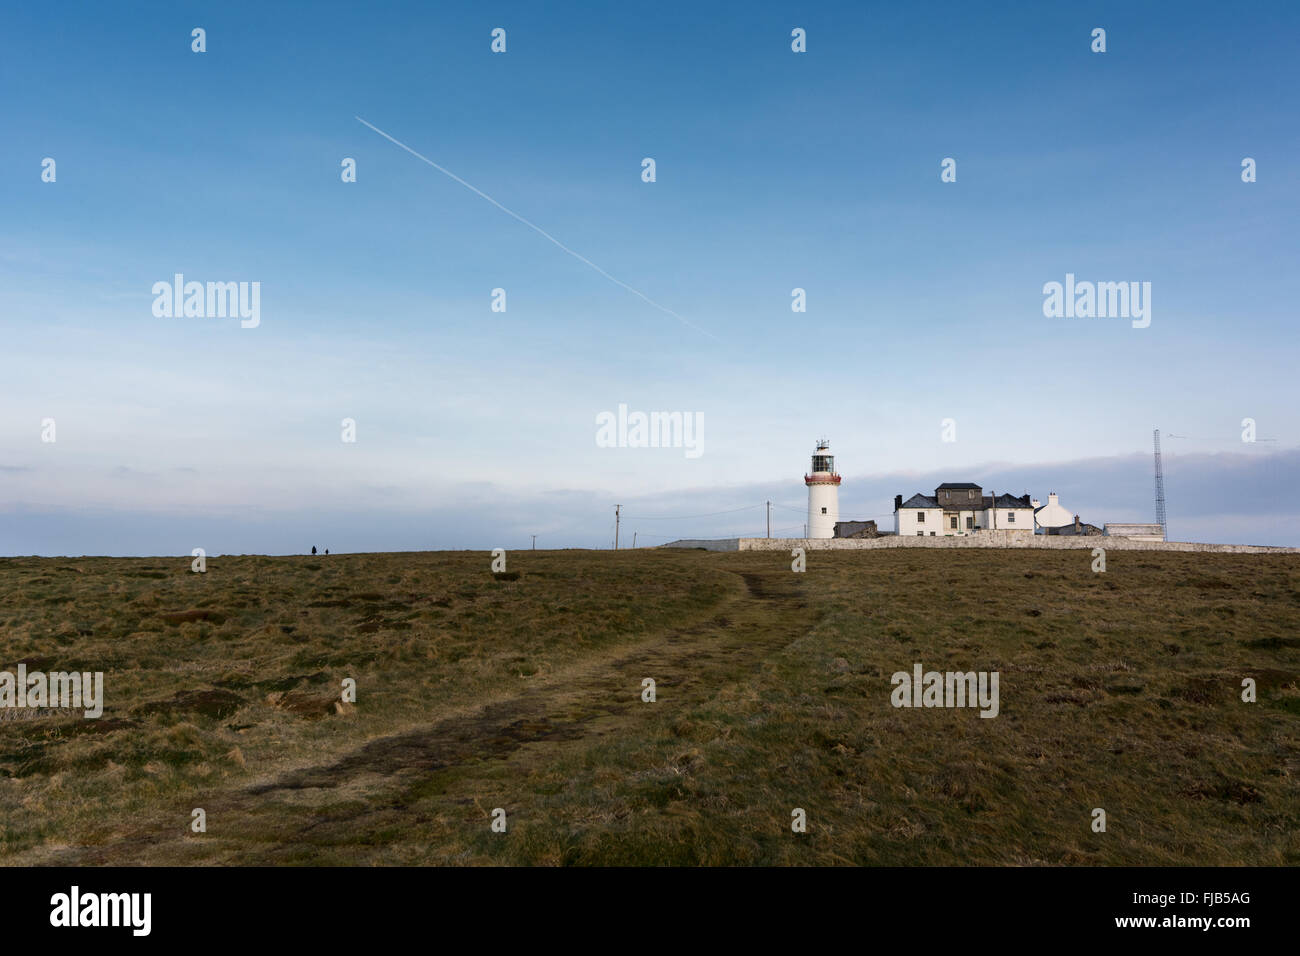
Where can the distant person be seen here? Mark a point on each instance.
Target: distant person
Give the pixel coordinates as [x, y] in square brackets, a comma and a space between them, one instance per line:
[313, 549]
[327, 550]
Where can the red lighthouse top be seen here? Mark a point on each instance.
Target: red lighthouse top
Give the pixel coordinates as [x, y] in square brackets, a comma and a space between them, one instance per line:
[823, 466]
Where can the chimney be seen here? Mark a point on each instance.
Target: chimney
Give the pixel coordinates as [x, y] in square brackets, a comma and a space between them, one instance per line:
[898, 502]
[1077, 526]
[1034, 503]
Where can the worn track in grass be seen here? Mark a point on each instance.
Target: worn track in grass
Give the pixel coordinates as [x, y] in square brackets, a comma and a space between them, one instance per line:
[272, 820]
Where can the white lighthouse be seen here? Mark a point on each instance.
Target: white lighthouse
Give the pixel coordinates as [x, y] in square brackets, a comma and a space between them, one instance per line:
[823, 493]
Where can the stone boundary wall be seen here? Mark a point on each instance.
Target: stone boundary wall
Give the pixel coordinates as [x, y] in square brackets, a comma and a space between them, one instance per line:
[988, 539]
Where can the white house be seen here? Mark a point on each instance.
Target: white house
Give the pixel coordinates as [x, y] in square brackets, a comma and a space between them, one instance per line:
[1052, 515]
[961, 508]
[1009, 513]
[919, 514]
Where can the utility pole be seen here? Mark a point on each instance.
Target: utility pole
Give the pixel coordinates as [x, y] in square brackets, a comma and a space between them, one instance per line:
[534, 542]
[769, 519]
[616, 515]
[633, 540]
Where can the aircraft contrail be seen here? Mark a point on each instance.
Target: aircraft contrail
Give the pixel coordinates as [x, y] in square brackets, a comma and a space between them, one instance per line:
[581, 258]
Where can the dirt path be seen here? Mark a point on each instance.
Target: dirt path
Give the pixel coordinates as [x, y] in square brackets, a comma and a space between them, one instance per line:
[765, 613]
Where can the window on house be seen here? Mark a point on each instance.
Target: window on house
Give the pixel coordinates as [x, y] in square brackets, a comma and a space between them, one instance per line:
[970, 495]
[952, 522]
[920, 517]
[920, 534]
[1011, 517]
[823, 511]
[932, 534]
[970, 522]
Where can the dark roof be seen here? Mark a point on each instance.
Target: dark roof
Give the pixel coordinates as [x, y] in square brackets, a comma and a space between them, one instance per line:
[986, 501]
[958, 485]
[1007, 501]
[1068, 529]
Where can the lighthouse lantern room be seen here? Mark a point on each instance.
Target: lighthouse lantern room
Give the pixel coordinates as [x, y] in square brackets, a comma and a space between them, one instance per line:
[823, 493]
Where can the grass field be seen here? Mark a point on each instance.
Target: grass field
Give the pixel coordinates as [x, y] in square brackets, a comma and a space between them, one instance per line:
[1119, 690]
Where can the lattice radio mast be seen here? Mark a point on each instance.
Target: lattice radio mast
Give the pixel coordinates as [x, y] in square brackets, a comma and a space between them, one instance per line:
[1160, 490]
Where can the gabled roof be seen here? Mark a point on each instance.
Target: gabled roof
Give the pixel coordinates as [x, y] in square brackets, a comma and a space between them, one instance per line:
[986, 501]
[957, 486]
[1006, 501]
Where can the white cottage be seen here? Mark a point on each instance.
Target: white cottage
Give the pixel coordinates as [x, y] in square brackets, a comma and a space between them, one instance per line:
[1052, 515]
[961, 508]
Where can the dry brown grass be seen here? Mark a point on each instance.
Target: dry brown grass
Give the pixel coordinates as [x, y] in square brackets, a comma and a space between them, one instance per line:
[1118, 691]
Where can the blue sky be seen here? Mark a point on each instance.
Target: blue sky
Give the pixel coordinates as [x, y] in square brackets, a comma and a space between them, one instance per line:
[775, 170]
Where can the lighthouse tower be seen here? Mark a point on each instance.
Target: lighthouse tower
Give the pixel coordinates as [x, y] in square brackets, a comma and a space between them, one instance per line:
[823, 493]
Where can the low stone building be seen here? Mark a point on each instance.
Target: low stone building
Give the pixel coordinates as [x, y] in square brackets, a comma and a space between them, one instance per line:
[1139, 531]
[1079, 527]
[856, 529]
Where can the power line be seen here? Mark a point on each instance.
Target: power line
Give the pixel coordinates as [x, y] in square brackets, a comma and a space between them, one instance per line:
[674, 537]
[718, 537]
[887, 514]
[681, 517]
[1224, 441]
